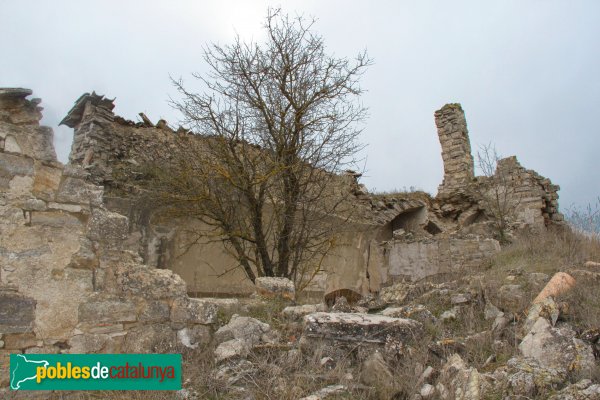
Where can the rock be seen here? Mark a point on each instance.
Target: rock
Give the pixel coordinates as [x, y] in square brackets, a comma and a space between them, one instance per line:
[223, 306]
[491, 311]
[327, 363]
[376, 373]
[417, 312]
[450, 315]
[78, 191]
[557, 347]
[271, 287]
[234, 348]
[511, 297]
[464, 382]
[87, 343]
[427, 374]
[198, 335]
[185, 310]
[538, 279]
[247, 329]
[155, 311]
[359, 328]
[395, 294]
[297, 312]
[149, 283]
[585, 389]
[233, 372]
[592, 265]
[461, 298]
[327, 392]
[500, 323]
[46, 181]
[34, 205]
[11, 166]
[546, 308]
[108, 227]
[427, 391]
[526, 377]
[341, 305]
[85, 257]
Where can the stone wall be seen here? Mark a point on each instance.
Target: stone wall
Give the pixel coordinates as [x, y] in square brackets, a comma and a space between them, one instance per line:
[419, 259]
[528, 199]
[70, 278]
[533, 197]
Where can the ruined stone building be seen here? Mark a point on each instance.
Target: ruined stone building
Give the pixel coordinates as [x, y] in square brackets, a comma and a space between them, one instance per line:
[82, 269]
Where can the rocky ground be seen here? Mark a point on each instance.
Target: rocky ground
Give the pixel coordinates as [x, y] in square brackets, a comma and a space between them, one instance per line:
[526, 325]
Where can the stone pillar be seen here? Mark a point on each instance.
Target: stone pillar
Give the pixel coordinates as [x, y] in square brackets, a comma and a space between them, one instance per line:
[456, 148]
[93, 145]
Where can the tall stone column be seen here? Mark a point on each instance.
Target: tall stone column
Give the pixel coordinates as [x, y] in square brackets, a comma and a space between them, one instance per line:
[456, 149]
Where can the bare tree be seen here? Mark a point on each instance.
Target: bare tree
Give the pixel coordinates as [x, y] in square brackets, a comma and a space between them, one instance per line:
[497, 192]
[279, 120]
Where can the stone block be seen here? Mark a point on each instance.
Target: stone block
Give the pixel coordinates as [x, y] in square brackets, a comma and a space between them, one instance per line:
[272, 287]
[13, 165]
[157, 338]
[150, 283]
[186, 311]
[46, 181]
[155, 311]
[20, 341]
[17, 312]
[87, 343]
[56, 219]
[354, 327]
[108, 227]
[103, 307]
[85, 257]
[76, 190]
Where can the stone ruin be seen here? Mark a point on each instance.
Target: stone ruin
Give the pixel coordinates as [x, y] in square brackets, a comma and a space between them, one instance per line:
[84, 269]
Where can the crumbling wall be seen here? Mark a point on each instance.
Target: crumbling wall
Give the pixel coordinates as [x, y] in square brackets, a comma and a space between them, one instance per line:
[109, 147]
[533, 197]
[391, 237]
[69, 279]
[530, 200]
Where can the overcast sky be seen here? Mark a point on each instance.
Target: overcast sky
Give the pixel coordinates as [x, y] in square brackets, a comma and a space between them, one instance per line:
[527, 73]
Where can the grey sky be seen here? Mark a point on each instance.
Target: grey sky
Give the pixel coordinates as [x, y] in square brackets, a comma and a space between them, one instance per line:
[526, 72]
